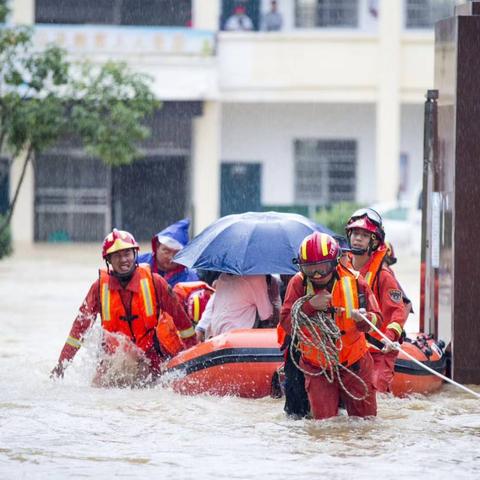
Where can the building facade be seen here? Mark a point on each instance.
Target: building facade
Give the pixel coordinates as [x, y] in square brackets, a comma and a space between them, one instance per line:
[326, 108]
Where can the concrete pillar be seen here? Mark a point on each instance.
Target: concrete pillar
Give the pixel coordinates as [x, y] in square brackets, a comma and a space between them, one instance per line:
[22, 220]
[22, 224]
[206, 14]
[23, 12]
[455, 224]
[388, 101]
[206, 166]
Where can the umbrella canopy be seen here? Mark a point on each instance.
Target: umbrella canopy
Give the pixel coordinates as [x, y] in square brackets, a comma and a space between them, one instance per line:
[250, 243]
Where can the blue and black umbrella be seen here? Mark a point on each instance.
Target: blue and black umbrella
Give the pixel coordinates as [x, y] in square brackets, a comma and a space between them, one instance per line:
[251, 243]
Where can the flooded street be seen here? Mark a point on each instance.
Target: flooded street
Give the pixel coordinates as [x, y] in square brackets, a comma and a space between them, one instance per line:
[68, 429]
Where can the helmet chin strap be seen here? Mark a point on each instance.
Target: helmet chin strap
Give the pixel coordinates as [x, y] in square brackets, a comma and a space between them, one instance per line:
[362, 251]
[359, 251]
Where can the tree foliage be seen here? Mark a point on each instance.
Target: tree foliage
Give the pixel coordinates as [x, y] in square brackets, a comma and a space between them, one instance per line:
[45, 97]
[336, 215]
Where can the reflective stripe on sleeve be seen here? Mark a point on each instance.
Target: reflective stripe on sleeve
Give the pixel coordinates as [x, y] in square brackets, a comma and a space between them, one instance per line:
[374, 320]
[188, 332]
[396, 327]
[74, 342]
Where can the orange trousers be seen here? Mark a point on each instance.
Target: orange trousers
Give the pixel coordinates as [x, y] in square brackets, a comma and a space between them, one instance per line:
[324, 397]
[383, 370]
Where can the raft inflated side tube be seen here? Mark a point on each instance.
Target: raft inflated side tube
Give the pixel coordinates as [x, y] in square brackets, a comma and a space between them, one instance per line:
[412, 378]
[243, 363]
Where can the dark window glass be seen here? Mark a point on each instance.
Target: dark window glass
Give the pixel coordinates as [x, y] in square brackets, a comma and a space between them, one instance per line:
[326, 13]
[115, 12]
[156, 12]
[75, 11]
[424, 13]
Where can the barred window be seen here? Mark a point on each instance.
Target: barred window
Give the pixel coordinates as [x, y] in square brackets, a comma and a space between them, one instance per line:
[424, 13]
[72, 199]
[325, 171]
[326, 13]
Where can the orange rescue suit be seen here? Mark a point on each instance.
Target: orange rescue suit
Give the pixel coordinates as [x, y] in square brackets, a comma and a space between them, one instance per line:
[184, 289]
[344, 300]
[389, 295]
[142, 321]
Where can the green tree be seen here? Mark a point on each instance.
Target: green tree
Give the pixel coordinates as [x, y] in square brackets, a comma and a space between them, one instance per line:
[44, 97]
[336, 215]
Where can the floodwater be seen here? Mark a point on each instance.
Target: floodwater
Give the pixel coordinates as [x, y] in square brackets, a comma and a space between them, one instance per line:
[69, 429]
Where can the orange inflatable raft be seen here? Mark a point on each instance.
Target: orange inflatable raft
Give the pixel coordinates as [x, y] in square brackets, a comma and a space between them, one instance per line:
[244, 362]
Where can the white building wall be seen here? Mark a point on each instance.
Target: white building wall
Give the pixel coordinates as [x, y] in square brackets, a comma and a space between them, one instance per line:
[265, 133]
[411, 144]
[207, 131]
[272, 88]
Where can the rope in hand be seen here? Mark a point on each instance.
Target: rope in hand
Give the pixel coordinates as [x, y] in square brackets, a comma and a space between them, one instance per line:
[396, 346]
[321, 333]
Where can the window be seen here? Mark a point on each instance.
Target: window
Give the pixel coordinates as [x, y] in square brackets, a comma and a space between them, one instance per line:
[424, 13]
[240, 15]
[71, 198]
[114, 12]
[325, 171]
[326, 13]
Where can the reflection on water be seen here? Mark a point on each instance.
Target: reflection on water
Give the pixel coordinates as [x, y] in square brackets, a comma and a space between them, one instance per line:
[69, 429]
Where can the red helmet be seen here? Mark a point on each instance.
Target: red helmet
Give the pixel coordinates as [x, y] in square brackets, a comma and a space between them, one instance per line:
[315, 250]
[369, 220]
[318, 247]
[196, 304]
[118, 240]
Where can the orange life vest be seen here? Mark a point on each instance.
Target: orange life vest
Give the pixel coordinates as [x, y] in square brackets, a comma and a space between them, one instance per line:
[374, 267]
[344, 299]
[281, 335]
[145, 320]
[372, 278]
[184, 289]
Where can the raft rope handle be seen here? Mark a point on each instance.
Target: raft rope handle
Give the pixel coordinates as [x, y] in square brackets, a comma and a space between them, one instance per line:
[326, 341]
[396, 346]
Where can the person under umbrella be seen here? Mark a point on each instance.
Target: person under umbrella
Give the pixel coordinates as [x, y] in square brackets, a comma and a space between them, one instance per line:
[247, 248]
[237, 302]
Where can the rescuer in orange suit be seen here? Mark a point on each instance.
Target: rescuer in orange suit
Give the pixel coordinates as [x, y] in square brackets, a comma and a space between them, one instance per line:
[341, 294]
[194, 297]
[139, 311]
[371, 256]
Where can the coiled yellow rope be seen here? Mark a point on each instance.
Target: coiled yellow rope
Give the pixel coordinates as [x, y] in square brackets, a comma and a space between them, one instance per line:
[321, 333]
